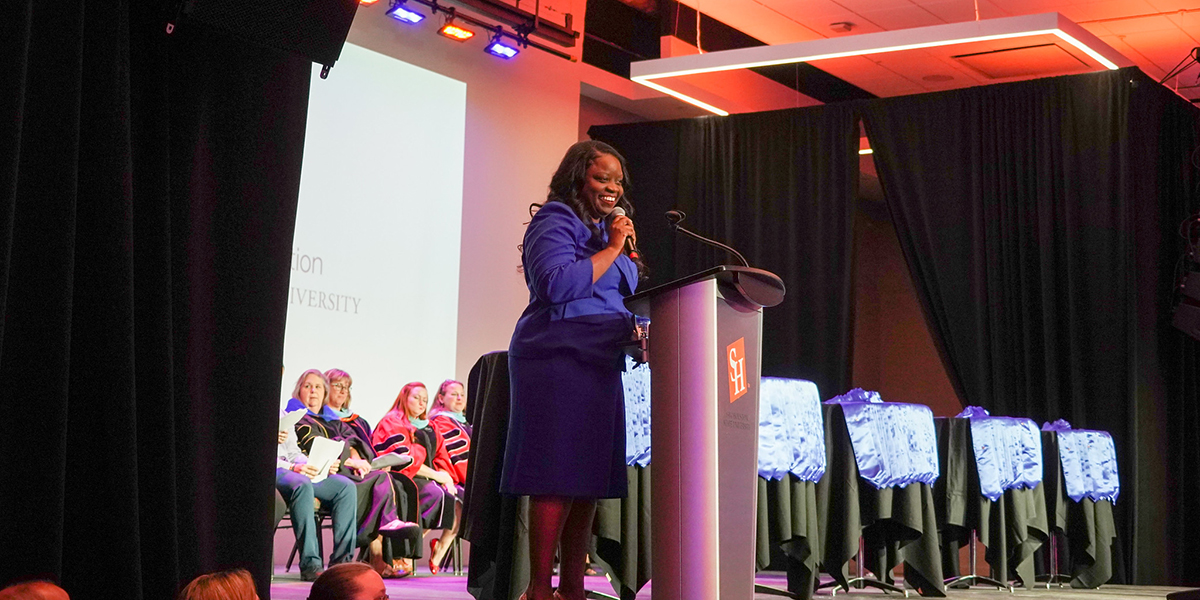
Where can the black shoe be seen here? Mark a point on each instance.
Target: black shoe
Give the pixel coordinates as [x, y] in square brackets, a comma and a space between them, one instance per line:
[400, 529]
[310, 575]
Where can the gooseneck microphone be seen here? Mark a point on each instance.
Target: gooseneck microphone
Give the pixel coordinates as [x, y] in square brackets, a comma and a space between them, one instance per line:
[629, 244]
[674, 217]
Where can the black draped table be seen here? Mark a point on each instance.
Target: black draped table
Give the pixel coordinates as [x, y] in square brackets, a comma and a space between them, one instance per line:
[787, 519]
[496, 525]
[897, 524]
[1087, 524]
[492, 522]
[1011, 528]
[811, 523]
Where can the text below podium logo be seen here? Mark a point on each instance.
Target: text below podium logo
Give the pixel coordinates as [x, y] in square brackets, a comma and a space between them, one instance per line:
[736, 355]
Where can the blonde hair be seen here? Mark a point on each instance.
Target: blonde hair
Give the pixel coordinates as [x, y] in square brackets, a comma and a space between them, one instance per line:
[303, 376]
[333, 375]
[234, 584]
[437, 400]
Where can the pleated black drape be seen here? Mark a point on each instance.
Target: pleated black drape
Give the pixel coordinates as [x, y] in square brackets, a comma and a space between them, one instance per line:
[148, 190]
[1029, 215]
[779, 187]
[652, 153]
[1038, 220]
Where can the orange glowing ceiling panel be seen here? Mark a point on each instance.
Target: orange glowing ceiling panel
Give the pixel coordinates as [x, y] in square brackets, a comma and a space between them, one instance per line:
[941, 68]
[1030, 61]
[744, 91]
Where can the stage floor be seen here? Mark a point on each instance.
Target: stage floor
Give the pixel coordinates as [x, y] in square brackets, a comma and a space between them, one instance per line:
[287, 586]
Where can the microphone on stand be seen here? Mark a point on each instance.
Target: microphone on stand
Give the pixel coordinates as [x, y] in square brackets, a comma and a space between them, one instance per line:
[674, 217]
[629, 244]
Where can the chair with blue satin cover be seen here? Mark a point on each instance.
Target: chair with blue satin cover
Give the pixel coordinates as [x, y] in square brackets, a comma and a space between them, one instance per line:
[1006, 457]
[891, 448]
[791, 460]
[1083, 485]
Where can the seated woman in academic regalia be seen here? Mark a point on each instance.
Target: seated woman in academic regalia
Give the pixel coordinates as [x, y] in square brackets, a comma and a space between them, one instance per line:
[405, 431]
[379, 505]
[448, 417]
[339, 402]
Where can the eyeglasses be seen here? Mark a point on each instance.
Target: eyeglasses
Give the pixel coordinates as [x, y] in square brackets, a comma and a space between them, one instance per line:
[344, 388]
[383, 597]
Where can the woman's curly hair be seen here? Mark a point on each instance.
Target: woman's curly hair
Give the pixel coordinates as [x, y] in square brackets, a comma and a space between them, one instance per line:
[569, 178]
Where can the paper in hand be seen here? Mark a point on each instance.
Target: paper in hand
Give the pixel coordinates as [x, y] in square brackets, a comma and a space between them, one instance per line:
[322, 454]
[287, 421]
[390, 460]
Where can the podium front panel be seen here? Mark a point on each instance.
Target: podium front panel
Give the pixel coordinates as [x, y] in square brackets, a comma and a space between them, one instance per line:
[704, 358]
[739, 350]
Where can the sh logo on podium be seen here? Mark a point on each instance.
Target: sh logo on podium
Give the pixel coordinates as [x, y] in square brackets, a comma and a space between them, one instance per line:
[736, 355]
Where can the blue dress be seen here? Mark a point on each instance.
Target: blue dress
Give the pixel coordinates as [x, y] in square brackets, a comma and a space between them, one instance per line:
[566, 433]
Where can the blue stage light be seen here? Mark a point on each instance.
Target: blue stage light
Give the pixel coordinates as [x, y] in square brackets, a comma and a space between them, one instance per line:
[400, 12]
[498, 48]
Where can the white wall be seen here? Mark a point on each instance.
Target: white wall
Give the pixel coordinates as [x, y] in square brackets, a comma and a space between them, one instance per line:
[368, 176]
[522, 114]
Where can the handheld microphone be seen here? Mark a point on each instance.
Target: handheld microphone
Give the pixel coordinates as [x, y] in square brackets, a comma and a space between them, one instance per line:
[674, 217]
[629, 245]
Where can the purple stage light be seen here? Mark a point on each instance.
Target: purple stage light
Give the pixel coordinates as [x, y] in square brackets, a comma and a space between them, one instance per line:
[400, 13]
[498, 48]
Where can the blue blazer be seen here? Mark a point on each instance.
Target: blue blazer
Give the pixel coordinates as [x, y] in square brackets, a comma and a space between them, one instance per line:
[567, 312]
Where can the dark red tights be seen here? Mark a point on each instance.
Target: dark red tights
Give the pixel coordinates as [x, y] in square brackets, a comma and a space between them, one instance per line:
[554, 520]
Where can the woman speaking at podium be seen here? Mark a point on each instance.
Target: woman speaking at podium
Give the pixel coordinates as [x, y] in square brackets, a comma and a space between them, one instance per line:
[566, 434]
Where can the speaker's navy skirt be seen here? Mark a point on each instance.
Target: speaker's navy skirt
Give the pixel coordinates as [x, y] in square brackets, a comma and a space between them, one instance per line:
[566, 429]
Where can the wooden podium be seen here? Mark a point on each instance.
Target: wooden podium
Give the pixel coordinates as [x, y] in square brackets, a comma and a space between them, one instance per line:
[705, 346]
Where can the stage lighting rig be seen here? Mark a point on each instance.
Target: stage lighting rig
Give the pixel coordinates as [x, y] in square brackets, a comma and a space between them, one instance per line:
[454, 31]
[499, 48]
[402, 13]
[501, 43]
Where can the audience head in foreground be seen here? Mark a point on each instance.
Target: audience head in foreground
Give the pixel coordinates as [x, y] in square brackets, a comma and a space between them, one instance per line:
[34, 590]
[348, 581]
[234, 584]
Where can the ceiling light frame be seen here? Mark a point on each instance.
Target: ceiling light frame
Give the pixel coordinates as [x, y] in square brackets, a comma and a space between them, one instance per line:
[449, 26]
[400, 11]
[650, 73]
[496, 41]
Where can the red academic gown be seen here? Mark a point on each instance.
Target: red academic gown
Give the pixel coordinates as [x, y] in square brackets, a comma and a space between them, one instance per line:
[456, 439]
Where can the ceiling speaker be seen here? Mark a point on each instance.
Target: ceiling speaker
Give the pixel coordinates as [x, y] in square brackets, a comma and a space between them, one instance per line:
[315, 29]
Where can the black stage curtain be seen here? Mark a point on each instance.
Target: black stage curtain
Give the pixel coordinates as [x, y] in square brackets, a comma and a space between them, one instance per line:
[778, 186]
[1037, 220]
[1039, 223]
[148, 190]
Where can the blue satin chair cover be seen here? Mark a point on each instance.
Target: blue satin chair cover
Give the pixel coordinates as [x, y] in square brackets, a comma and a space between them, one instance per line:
[1089, 462]
[637, 412]
[791, 430]
[1008, 452]
[856, 395]
[894, 443]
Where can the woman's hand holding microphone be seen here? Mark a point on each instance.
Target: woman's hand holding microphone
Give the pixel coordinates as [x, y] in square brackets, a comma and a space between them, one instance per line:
[620, 232]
